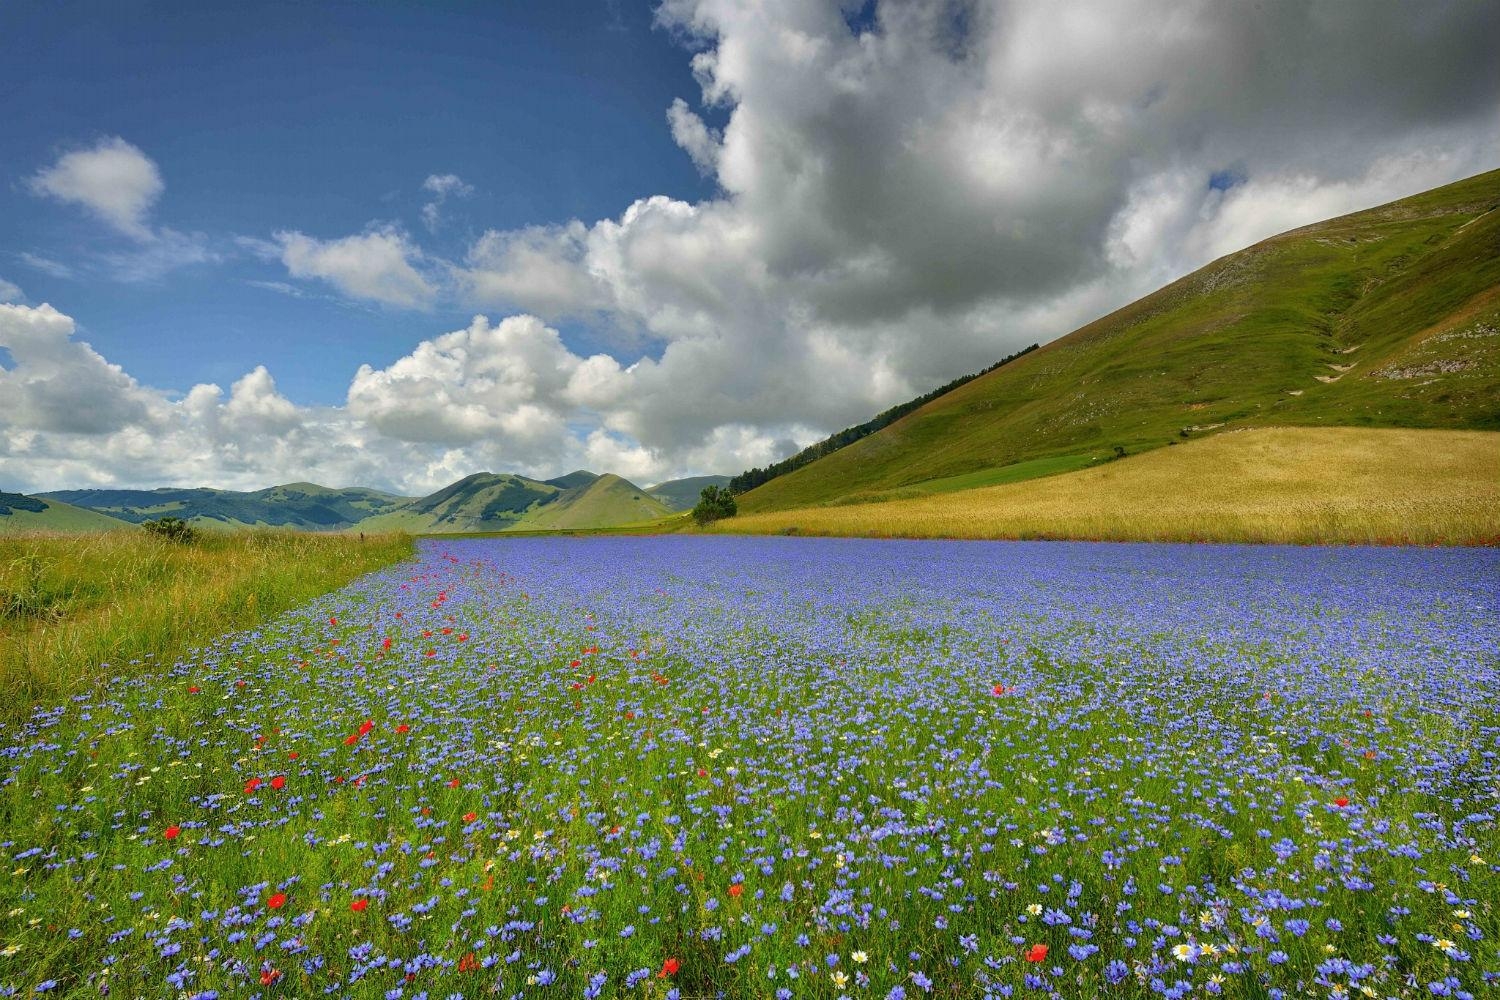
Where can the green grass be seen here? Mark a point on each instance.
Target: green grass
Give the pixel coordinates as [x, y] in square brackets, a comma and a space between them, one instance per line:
[1284, 484]
[77, 609]
[1384, 318]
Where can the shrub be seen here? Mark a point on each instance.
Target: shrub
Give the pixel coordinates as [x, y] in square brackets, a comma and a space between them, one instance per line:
[714, 503]
[173, 529]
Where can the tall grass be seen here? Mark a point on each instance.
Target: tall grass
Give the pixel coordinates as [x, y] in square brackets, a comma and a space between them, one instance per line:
[77, 608]
[1292, 485]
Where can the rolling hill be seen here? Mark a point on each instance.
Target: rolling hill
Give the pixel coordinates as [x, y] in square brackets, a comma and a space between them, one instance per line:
[21, 514]
[295, 505]
[1388, 317]
[607, 502]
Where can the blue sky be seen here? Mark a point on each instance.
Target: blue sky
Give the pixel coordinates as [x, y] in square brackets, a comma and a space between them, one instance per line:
[319, 119]
[392, 244]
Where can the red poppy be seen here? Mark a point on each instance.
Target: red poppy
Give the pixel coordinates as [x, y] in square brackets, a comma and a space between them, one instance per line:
[293, 755]
[403, 728]
[359, 905]
[252, 785]
[1036, 953]
[332, 620]
[277, 901]
[278, 782]
[171, 832]
[366, 726]
[470, 817]
[453, 783]
[269, 976]
[1341, 801]
[463, 637]
[386, 643]
[576, 663]
[737, 890]
[194, 689]
[468, 963]
[351, 739]
[702, 773]
[669, 968]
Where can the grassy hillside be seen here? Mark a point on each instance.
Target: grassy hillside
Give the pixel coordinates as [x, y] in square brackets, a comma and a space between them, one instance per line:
[295, 505]
[682, 494]
[606, 502]
[22, 515]
[1270, 485]
[1385, 318]
[485, 501]
[76, 609]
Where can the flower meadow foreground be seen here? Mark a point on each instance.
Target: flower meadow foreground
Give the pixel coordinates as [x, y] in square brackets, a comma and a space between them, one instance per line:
[698, 767]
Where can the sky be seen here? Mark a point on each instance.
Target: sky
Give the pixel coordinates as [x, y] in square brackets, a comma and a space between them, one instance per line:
[395, 244]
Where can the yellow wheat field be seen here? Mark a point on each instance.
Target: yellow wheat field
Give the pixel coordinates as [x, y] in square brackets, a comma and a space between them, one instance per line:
[1297, 485]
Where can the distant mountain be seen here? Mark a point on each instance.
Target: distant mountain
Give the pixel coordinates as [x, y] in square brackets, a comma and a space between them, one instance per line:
[607, 502]
[295, 505]
[1389, 317]
[582, 477]
[485, 501]
[488, 501]
[20, 513]
[682, 494]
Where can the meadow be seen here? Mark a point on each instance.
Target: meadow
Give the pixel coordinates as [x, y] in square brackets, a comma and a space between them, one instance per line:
[1296, 485]
[762, 767]
[75, 609]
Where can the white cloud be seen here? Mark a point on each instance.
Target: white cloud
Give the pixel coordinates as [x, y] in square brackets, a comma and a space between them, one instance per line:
[539, 269]
[120, 185]
[442, 187]
[696, 139]
[58, 385]
[46, 265]
[10, 291]
[113, 179]
[377, 265]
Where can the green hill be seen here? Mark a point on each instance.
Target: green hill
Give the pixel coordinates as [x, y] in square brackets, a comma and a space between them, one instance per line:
[485, 501]
[295, 505]
[607, 502]
[682, 494]
[21, 514]
[1385, 318]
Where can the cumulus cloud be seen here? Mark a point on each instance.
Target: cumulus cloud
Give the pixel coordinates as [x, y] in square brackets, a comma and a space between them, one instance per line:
[378, 265]
[10, 291]
[113, 179]
[901, 196]
[700, 142]
[57, 385]
[120, 185]
[441, 187]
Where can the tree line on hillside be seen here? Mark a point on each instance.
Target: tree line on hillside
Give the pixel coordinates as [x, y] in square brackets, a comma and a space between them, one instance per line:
[752, 478]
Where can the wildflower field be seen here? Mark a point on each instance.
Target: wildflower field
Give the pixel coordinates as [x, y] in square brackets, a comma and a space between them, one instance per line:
[766, 767]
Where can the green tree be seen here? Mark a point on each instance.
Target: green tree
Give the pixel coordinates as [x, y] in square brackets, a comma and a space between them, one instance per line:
[714, 503]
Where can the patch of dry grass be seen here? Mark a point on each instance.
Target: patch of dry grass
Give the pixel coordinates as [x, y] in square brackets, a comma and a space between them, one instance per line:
[1290, 484]
[76, 608]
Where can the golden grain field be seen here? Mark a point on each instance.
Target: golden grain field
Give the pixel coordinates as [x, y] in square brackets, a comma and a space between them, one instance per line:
[1296, 485]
